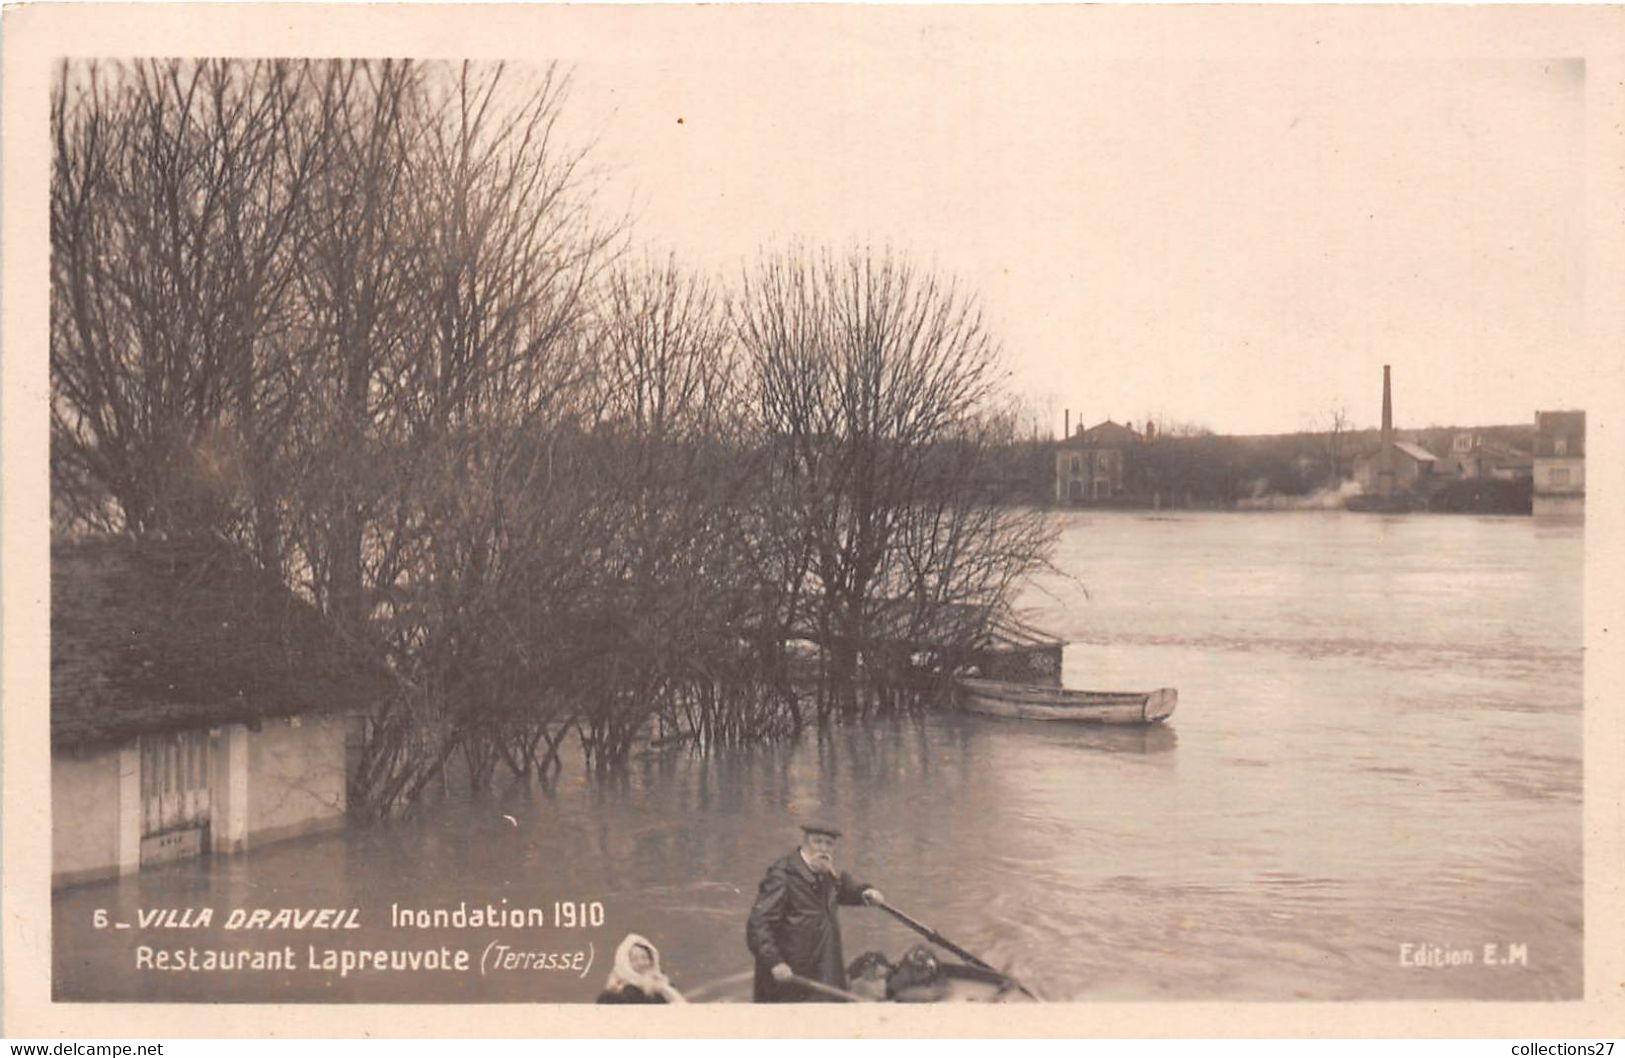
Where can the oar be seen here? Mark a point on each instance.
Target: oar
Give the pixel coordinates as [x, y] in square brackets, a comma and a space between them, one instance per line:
[721, 984]
[938, 939]
[829, 990]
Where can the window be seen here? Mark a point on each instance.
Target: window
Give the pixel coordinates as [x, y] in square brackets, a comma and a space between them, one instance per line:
[1558, 476]
[1560, 446]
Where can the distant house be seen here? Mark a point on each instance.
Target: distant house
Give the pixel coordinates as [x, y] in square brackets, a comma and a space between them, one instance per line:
[1474, 456]
[1559, 462]
[197, 706]
[1089, 465]
[1410, 465]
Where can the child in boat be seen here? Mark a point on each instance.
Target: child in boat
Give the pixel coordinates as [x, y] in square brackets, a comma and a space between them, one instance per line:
[636, 976]
[916, 979]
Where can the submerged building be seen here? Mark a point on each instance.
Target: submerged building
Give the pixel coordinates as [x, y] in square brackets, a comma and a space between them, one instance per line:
[1091, 465]
[197, 706]
[1475, 456]
[1560, 463]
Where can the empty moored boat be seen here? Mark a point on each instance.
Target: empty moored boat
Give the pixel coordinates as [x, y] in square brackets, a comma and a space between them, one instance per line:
[1026, 701]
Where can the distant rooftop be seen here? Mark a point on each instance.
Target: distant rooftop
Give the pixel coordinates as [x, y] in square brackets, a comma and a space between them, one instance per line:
[1416, 452]
[1103, 435]
[1565, 430]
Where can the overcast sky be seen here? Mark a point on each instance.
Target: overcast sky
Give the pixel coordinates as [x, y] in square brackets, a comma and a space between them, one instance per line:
[1238, 235]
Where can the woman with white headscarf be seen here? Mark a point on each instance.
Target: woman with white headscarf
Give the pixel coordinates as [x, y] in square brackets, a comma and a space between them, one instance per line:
[636, 976]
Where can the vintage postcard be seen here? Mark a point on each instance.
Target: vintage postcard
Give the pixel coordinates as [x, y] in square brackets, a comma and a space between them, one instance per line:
[1003, 520]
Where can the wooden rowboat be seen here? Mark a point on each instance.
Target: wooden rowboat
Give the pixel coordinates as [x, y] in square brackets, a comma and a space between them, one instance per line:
[959, 984]
[1026, 701]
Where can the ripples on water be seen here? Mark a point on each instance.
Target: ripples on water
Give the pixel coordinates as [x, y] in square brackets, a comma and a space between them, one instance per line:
[1378, 742]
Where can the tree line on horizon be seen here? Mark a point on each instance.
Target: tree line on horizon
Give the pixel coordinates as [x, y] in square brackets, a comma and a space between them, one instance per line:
[1189, 465]
[367, 321]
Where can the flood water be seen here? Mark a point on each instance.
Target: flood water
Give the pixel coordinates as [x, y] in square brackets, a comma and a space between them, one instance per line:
[1378, 744]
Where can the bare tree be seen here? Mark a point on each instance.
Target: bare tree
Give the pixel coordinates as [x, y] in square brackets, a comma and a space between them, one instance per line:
[338, 310]
[864, 370]
[1025, 418]
[360, 316]
[686, 642]
[1335, 443]
[494, 370]
[1162, 426]
[962, 553]
[176, 197]
[350, 491]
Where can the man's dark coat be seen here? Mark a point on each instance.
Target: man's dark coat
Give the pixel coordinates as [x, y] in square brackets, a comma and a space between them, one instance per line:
[793, 921]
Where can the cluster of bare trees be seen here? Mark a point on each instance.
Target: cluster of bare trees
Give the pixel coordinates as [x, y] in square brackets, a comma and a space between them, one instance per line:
[363, 320]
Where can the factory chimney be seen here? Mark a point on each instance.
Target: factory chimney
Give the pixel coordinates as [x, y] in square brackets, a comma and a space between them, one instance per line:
[1385, 456]
[1066, 429]
[1387, 408]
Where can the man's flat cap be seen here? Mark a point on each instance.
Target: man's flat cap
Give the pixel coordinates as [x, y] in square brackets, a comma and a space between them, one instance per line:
[820, 827]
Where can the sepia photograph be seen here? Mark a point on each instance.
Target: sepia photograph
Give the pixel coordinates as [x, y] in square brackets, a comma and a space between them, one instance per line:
[1048, 506]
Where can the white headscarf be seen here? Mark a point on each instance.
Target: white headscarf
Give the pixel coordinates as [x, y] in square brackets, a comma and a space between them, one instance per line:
[651, 981]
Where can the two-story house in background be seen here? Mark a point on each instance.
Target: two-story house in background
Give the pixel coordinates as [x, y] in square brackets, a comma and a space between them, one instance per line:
[1089, 465]
[1559, 458]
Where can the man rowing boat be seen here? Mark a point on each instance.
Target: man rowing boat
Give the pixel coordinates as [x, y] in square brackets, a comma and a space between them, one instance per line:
[793, 930]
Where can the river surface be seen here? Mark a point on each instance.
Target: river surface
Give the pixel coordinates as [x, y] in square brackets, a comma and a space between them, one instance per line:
[1378, 744]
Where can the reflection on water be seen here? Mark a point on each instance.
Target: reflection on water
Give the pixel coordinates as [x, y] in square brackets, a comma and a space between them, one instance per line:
[1377, 745]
